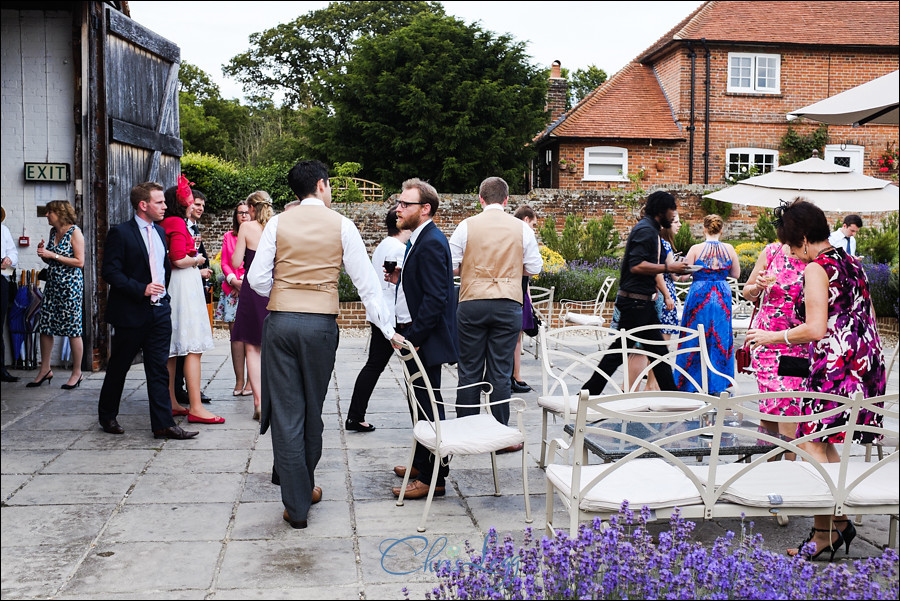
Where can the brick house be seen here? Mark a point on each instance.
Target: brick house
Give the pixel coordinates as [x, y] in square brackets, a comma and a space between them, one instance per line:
[710, 98]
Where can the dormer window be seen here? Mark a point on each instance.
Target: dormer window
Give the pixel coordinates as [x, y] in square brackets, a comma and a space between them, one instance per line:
[754, 73]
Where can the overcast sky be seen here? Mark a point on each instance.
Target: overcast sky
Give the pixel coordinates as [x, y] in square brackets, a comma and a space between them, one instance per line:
[605, 34]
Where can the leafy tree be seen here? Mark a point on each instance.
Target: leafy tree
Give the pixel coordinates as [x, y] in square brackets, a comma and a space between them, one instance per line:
[297, 58]
[441, 100]
[585, 81]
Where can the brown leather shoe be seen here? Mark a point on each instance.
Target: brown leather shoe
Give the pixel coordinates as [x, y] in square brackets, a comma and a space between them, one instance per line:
[112, 427]
[511, 449]
[175, 432]
[296, 524]
[400, 470]
[417, 489]
[316, 494]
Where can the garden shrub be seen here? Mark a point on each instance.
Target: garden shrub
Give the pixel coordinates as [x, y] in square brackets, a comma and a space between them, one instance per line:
[883, 288]
[623, 561]
[580, 280]
[764, 230]
[879, 243]
[225, 183]
[684, 240]
[347, 292]
[715, 207]
[553, 261]
[748, 254]
[586, 240]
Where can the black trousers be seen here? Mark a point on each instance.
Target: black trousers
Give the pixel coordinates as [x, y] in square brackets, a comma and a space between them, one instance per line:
[380, 352]
[634, 313]
[154, 341]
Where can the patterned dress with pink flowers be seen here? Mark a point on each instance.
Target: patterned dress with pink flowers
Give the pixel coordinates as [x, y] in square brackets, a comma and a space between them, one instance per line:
[849, 358]
[776, 313]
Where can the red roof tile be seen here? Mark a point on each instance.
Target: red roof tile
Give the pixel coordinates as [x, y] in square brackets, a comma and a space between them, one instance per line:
[630, 105]
[792, 22]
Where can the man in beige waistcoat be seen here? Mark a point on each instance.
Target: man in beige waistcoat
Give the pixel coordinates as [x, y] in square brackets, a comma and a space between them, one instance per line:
[491, 252]
[297, 264]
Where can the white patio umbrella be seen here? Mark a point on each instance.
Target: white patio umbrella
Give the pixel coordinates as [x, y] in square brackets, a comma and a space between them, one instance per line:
[831, 187]
[872, 102]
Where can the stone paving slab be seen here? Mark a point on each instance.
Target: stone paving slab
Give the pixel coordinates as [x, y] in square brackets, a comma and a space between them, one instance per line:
[89, 515]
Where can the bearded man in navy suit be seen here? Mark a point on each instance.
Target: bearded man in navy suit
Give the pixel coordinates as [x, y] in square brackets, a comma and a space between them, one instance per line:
[427, 280]
[136, 268]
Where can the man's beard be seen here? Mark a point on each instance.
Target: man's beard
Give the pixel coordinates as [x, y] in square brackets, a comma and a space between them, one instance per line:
[410, 223]
[664, 222]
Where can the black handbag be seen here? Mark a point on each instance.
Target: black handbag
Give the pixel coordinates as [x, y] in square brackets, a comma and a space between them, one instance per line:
[793, 367]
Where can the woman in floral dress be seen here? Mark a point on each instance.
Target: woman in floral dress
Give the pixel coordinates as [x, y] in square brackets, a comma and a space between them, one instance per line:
[838, 321]
[777, 283]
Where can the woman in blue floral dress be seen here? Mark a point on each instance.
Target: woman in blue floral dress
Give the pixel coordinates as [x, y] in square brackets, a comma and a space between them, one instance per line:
[709, 303]
[61, 312]
[846, 356]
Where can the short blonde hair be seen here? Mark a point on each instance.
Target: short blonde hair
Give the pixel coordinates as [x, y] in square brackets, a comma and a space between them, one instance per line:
[713, 224]
[63, 210]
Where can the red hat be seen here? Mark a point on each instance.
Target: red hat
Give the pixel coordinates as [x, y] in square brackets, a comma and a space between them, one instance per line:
[184, 194]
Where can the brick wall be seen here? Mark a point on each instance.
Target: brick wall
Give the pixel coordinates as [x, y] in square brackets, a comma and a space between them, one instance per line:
[369, 216]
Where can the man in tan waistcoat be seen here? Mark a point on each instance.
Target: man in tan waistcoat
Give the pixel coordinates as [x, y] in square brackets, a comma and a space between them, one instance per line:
[297, 264]
[491, 252]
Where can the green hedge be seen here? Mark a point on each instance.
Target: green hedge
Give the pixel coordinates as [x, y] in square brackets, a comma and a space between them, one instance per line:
[225, 183]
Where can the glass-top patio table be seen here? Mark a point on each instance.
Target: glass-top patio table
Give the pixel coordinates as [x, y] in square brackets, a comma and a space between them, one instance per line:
[743, 445]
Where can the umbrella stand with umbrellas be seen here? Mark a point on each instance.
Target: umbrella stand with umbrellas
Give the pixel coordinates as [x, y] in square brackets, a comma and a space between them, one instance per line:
[874, 102]
[831, 187]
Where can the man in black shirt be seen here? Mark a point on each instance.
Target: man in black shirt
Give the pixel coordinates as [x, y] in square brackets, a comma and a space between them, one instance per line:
[642, 262]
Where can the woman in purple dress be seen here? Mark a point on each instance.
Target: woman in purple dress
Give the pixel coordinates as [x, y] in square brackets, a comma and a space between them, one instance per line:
[251, 310]
[845, 351]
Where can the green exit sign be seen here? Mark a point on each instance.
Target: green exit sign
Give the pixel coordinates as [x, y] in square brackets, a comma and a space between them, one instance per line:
[47, 172]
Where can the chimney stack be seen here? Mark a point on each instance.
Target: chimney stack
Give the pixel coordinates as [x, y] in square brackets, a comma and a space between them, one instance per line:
[557, 93]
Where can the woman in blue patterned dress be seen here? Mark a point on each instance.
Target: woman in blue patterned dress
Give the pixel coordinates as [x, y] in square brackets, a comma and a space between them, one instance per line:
[846, 356]
[709, 302]
[61, 312]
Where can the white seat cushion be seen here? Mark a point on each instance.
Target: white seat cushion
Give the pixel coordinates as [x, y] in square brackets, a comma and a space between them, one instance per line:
[740, 322]
[582, 319]
[650, 482]
[881, 487]
[654, 401]
[471, 435]
[789, 479]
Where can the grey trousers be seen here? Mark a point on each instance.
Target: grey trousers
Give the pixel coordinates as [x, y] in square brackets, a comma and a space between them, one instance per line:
[298, 351]
[488, 331]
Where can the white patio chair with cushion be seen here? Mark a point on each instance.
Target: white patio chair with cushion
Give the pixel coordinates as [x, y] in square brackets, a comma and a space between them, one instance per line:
[470, 435]
[569, 357]
[589, 313]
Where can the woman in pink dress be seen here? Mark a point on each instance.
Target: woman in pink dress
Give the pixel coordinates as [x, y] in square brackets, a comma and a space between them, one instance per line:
[776, 282]
[231, 290]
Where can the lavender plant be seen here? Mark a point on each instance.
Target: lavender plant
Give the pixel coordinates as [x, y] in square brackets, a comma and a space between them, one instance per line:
[622, 561]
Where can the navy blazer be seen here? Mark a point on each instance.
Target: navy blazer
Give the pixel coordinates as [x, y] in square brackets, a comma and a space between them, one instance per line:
[126, 268]
[427, 280]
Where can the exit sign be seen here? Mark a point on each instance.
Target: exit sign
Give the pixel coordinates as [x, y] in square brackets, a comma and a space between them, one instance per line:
[47, 172]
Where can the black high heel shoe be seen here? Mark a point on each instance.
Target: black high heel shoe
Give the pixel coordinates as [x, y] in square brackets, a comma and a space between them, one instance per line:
[833, 547]
[848, 534]
[48, 376]
[72, 386]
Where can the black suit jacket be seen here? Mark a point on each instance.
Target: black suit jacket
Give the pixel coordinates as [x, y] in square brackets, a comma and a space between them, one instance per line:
[427, 280]
[126, 268]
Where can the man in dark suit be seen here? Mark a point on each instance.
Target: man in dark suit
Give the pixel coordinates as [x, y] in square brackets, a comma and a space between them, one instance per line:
[136, 268]
[427, 280]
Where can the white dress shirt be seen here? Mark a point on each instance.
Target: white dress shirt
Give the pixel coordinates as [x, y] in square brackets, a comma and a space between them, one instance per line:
[531, 259]
[389, 248]
[839, 240]
[159, 249]
[9, 250]
[356, 263]
[401, 308]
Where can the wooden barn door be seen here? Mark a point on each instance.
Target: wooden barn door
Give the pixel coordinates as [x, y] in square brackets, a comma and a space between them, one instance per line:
[136, 122]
